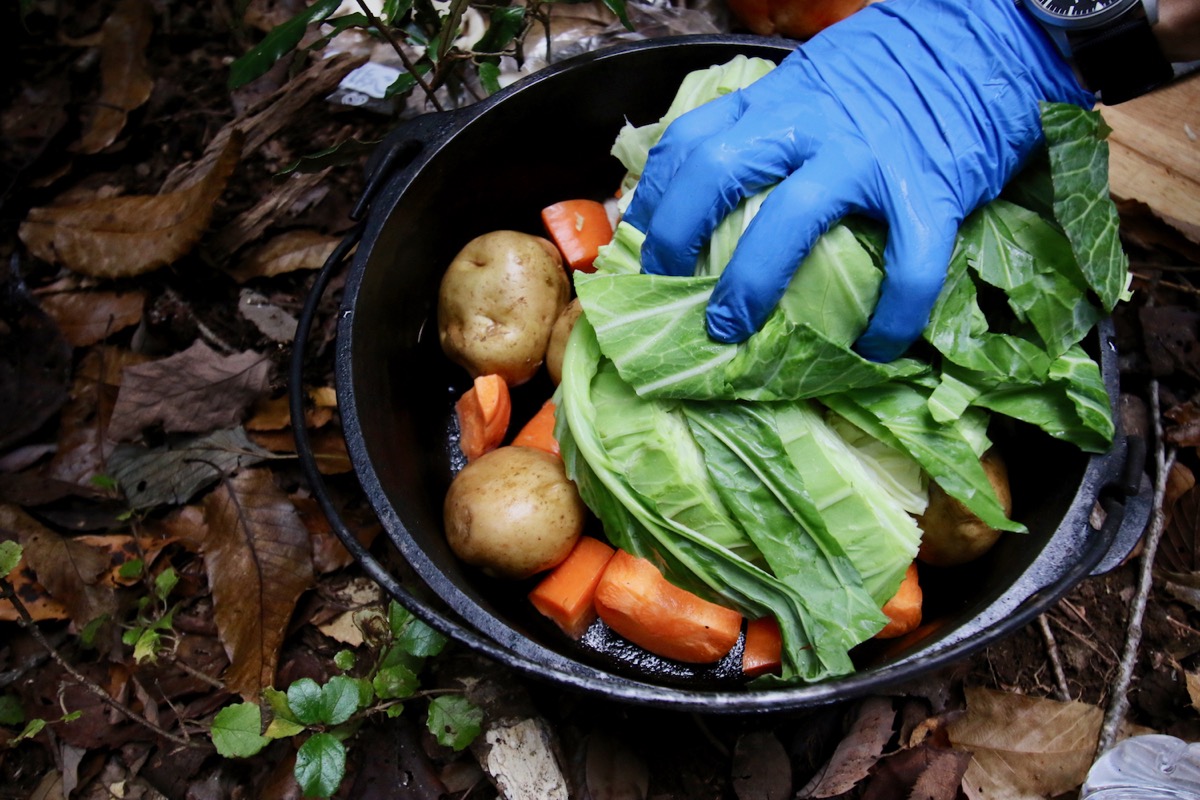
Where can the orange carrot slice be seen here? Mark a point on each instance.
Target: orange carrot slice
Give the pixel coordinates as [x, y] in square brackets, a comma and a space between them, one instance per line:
[904, 609]
[579, 228]
[566, 594]
[635, 600]
[539, 431]
[483, 414]
[764, 647]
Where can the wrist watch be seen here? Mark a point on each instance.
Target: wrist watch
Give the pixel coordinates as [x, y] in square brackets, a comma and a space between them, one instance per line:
[1110, 42]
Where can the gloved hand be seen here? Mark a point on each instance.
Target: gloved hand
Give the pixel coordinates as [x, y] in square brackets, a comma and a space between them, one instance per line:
[914, 112]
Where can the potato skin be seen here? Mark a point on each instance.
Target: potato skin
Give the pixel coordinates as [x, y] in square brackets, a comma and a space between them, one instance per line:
[513, 512]
[497, 303]
[558, 339]
[950, 533]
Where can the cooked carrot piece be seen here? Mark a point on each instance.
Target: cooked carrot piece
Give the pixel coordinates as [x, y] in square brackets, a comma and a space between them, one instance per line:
[566, 594]
[539, 431]
[635, 600]
[764, 647]
[483, 415]
[904, 609]
[579, 228]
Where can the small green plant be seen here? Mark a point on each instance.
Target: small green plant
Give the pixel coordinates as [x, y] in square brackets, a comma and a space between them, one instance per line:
[151, 630]
[331, 713]
[425, 35]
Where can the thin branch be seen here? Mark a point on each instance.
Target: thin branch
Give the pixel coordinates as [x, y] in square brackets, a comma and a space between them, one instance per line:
[1060, 677]
[1119, 700]
[404, 59]
[26, 621]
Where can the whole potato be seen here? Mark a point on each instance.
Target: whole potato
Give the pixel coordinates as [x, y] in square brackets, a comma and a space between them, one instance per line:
[497, 303]
[950, 533]
[513, 512]
[558, 339]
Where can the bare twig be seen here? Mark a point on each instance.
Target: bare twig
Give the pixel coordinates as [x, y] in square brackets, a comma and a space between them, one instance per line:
[1119, 701]
[26, 622]
[1060, 677]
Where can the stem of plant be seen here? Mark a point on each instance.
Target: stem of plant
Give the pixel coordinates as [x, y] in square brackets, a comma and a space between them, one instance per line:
[404, 59]
[26, 621]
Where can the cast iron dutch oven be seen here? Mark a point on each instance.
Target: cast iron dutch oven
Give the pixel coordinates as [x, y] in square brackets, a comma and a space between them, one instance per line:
[441, 179]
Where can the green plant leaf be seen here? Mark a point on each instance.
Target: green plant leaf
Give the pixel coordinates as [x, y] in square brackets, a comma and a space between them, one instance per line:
[320, 765]
[412, 635]
[344, 659]
[87, 635]
[165, 583]
[506, 23]
[278, 43]
[489, 75]
[10, 555]
[11, 713]
[618, 8]
[278, 702]
[394, 711]
[131, 568]
[32, 729]
[147, 645]
[454, 721]
[339, 700]
[280, 728]
[236, 731]
[304, 699]
[394, 682]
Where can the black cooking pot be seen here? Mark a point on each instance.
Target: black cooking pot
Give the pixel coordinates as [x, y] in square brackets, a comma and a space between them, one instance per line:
[440, 180]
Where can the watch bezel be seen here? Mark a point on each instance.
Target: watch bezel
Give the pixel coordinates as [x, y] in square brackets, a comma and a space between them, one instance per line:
[1085, 21]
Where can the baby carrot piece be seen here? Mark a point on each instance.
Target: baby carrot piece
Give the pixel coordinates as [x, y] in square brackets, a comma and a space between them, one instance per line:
[763, 647]
[566, 594]
[579, 228]
[539, 431]
[904, 609]
[483, 414]
[635, 600]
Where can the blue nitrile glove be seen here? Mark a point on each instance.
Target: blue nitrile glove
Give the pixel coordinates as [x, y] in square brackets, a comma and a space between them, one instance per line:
[914, 112]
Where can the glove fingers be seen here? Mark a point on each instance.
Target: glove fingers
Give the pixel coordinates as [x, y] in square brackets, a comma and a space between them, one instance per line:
[674, 146]
[801, 208]
[915, 259]
[718, 174]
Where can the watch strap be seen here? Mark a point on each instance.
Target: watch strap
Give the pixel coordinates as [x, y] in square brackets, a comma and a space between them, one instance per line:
[1120, 62]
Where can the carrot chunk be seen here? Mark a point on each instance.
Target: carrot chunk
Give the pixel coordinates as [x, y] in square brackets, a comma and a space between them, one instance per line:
[764, 647]
[579, 228]
[635, 600]
[904, 609]
[566, 594]
[483, 414]
[539, 431]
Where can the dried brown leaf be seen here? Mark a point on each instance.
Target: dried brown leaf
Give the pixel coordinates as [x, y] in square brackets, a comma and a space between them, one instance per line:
[919, 773]
[194, 391]
[1169, 333]
[125, 82]
[259, 562]
[273, 414]
[1025, 748]
[70, 570]
[86, 318]
[287, 252]
[613, 771]
[761, 768]
[125, 236]
[857, 752]
[1186, 430]
[328, 446]
[1179, 550]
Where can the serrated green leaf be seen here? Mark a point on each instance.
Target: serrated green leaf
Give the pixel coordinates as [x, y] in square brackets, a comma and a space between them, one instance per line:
[320, 765]
[236, 731]
[280, 728]
[304, 698]
[398, 618]
[344, 660]
[147, 645]
[11, 713]
[395, 682]
[339, 700]
[454, 721]
[10, 556]
[420, 640]
[282, 40]
[366, 692]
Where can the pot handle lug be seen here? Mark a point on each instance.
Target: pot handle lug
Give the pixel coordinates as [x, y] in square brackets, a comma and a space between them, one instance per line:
[374, 569]
[1127, 509]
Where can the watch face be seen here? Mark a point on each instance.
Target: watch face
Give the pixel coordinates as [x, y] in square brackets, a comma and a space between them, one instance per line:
[1078, 9]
